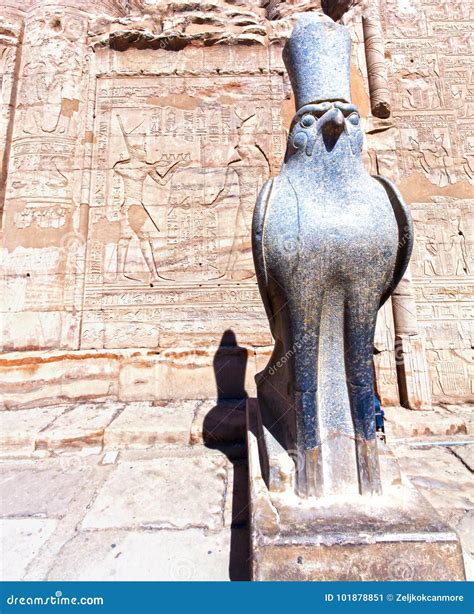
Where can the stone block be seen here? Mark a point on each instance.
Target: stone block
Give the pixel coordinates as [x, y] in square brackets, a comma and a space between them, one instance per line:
[21, 541]
[32, 379]
[43, 488]
[137, 379]
[142, 425]
[81, 426]
[31, 330]
[219, 422]
[224, 373]
[465, 453]
[439, 475]
[192, 555]
[150, 495]
[394, 536]
[19, 429]
[400, 422]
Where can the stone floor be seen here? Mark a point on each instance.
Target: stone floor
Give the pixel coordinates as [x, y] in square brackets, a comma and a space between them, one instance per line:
[148, 492]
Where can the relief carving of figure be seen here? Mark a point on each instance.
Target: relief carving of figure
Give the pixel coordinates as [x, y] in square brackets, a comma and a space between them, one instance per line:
[51, 75]
[135, 218]
[457, 248]
[434, 160]
[420, 95]
[250, 166]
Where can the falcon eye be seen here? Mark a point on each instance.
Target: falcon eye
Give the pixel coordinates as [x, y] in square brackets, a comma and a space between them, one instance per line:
[307, 121]
[354, 118]
[299, 140]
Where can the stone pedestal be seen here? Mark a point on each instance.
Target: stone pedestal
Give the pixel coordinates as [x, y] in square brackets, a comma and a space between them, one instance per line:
[394, 536]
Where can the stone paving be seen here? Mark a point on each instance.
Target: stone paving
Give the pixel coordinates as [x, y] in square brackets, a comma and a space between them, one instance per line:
[159, 492]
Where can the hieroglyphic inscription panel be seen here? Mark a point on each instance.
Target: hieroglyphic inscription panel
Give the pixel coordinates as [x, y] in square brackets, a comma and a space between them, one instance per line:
[443, 275]
[177, 166]
[429, 53]
[430, 46]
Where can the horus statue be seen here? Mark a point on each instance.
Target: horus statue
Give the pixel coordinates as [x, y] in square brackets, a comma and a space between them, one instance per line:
[330, 244]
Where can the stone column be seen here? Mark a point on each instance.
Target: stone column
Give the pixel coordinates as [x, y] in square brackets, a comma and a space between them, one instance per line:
[41, 243]
[375, 60]
[13, 14]
[410, 355]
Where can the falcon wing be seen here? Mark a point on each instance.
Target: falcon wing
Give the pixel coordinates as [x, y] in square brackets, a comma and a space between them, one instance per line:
[405, 234]
[257, 244]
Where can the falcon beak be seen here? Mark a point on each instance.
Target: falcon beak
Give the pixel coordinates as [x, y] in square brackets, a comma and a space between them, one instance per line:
[332, 123]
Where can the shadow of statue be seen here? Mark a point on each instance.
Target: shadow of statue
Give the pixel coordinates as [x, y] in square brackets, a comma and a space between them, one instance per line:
[230, 366]
[224, 429]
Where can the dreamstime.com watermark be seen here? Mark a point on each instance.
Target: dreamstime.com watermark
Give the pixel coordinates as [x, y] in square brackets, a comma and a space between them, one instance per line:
[57, 599]
[284, 359]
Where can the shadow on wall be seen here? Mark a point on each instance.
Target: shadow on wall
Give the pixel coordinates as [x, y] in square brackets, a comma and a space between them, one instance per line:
[230, 365]
[225, 429]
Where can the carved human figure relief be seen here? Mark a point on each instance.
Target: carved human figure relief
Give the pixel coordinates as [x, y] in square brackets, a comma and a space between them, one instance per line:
[52, 72]
[249, 165]
[135, 219]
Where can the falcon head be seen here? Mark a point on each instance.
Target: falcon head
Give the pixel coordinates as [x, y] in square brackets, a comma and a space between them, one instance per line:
[325, 127]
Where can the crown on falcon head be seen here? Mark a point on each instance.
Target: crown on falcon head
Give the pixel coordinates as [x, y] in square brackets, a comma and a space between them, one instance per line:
[317, 57]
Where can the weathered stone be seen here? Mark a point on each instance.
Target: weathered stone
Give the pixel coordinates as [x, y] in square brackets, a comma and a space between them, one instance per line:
[330, 244]
[137, 379]
[21, 541]
[221, 422]
[142, 425]
[465, 453]
[400, 422]
[19, 430]
[464, 528]
[436, 471]
[82, 425]
[394, 536]
[43, 489]
[32, 379]
[465, 412]
[142, 495]
[192, 555]
[126, 234]
[110, 457]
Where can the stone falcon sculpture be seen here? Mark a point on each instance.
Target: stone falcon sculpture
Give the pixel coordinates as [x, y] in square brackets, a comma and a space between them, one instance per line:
[330, 244]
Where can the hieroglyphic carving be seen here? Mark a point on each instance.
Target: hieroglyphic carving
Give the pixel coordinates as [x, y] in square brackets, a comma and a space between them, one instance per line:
[42, 169]
[134, 215]
[445, 243]
[429, 60]
[384, 357]
[410, 354]
[431, 77]
[52, 70]
[10, 36]
[44, 140]
[61, 158]
[171, 202]
[445, 307]
[251, 167]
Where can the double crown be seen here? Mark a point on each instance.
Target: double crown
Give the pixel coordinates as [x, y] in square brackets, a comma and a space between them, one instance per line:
[317, 57]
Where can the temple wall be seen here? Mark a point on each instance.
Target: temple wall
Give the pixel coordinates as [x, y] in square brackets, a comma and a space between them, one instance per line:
[429, 50]
[135, 137]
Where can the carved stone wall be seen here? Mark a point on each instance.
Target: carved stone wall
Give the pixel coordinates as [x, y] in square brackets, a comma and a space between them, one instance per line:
[429, 49]
[135, 136]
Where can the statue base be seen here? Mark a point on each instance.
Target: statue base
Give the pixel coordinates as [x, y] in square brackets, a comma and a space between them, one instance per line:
[394, 536]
